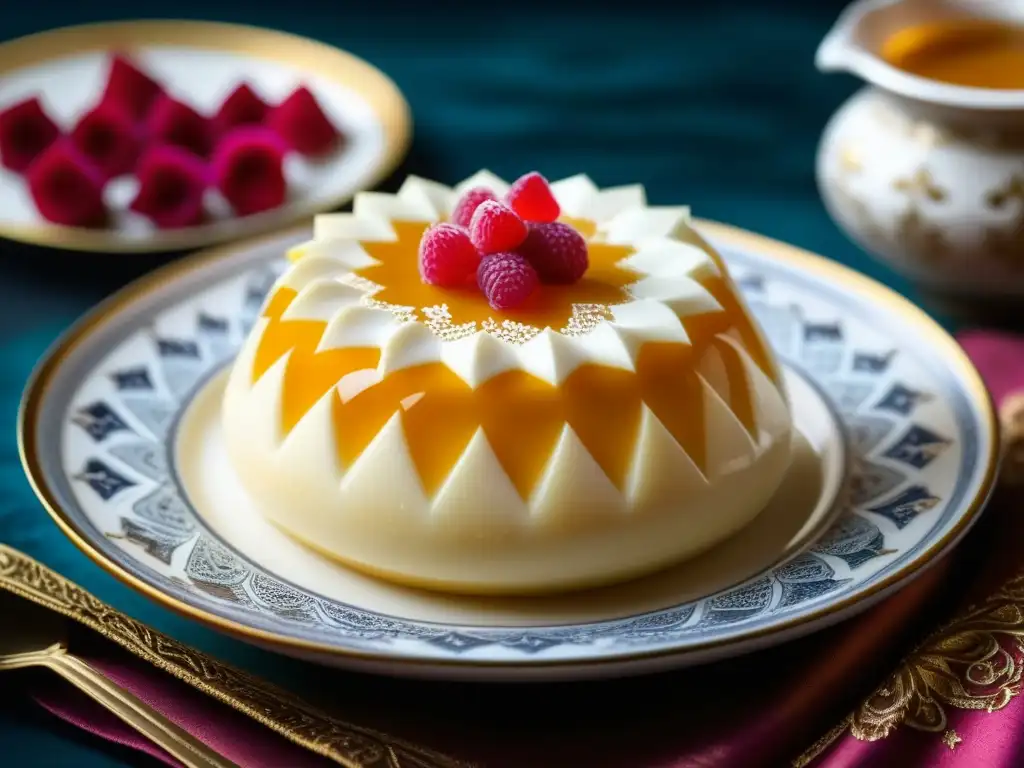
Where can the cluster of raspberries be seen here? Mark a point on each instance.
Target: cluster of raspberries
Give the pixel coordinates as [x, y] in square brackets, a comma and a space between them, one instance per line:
[506, 248]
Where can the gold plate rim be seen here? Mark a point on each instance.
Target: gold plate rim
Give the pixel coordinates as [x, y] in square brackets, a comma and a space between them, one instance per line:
[335, 64]
[49, 366]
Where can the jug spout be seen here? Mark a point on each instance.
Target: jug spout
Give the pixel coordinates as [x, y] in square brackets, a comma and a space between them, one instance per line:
[861, 37]
[834, 54]
[838, 51]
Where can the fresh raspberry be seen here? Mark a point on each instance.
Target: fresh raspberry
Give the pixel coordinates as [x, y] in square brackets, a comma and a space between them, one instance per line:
[557, 251]
[447, 256]
[507, 280]
[495, 227]
[532, 199]
[463, 212]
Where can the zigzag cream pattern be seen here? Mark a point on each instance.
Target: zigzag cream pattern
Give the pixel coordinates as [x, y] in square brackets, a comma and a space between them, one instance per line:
[498, 464]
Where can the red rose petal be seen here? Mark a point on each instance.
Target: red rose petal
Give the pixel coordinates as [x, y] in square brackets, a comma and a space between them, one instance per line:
[243, 106]
[171, 185]
[109, 138]
[248, 167]
[67, 188]
[26, 131]
[301, 122]
[130, 88]
[176, 123]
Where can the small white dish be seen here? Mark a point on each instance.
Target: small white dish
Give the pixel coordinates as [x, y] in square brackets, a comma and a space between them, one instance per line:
[201, 63]
[120, 438]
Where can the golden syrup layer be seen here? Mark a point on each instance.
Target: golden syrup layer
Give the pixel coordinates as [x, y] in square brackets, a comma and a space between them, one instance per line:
[521, 415]
[550, 306]
[969, 52]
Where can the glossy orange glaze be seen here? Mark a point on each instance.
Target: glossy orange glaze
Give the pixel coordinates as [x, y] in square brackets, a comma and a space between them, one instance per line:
[549, 306]
[972, 52]
[521, 415]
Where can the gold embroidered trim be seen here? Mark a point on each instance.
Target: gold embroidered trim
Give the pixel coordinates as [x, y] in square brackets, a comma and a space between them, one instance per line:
[818, 747]
[349, 745]
[975, 662]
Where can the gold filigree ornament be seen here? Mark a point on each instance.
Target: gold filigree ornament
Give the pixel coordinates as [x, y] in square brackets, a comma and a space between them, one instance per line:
[973, 663]
[921, 186]
[1008, 192]
[349, 745]
[1004, 245]
[921, 239]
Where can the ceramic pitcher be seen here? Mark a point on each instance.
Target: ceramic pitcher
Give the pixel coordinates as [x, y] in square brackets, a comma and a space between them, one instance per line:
[927, 176]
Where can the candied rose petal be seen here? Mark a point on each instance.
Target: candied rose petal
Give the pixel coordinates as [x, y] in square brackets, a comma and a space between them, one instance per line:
[303, 125]
[171, 185]
[66, 187]
[174, 122]
[108, 137]
[130, 88]
[26, 131]
[243, 106]
[248, 169]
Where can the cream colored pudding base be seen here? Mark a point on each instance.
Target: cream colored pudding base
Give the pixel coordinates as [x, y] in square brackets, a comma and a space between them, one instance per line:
[798, 513]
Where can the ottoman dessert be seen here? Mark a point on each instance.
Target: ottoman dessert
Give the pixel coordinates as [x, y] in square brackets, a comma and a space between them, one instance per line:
[507, 389]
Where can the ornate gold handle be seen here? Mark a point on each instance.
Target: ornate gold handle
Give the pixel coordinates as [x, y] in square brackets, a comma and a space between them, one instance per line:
[154, 726]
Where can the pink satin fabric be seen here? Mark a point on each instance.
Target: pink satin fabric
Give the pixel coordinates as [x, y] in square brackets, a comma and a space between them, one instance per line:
[985, 656]
[765, 709]
[983, 646]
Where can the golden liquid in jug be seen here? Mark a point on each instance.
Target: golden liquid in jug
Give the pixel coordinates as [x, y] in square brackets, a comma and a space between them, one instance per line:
[968, 52]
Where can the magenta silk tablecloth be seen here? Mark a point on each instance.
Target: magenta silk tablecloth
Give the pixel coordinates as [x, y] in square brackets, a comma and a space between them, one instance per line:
[929, 677]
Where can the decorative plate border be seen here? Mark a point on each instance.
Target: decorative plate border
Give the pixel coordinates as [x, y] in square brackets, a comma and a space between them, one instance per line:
[905, 404]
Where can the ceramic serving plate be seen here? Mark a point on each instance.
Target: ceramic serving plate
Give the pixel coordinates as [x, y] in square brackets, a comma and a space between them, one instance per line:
[200, 63]
[896, 456]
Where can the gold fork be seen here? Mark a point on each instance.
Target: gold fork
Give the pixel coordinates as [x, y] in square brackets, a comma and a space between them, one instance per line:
[32, 636]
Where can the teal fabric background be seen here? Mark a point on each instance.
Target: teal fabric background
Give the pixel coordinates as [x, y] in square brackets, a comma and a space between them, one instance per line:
[717, 106]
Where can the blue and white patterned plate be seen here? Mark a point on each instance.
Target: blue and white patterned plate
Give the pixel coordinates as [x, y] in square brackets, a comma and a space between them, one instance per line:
[101, 416]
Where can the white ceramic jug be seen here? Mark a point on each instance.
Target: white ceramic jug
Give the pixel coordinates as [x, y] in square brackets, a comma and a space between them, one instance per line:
[927, 176]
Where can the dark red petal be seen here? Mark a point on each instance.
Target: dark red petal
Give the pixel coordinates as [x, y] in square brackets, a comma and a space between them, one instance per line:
[26, 131]
[248, 167]
[67, 188]
[174, 122]
[243, 106]
[130, 88]
[171, 186]
[108, 137]
[301, 122]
